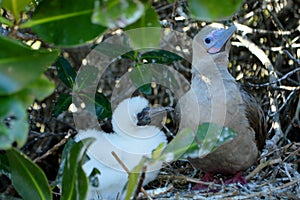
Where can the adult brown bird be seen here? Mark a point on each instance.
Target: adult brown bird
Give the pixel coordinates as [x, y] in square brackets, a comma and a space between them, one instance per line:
[216, 97]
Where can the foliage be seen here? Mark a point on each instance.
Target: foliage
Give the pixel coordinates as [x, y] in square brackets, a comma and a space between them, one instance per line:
[33, 35]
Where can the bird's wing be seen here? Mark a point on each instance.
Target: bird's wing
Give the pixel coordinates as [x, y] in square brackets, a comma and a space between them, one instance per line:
[256, 118]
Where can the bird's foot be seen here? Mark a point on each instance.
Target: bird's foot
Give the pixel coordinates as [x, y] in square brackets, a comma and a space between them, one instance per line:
[237, 178]
[209, 178]
[206, 179]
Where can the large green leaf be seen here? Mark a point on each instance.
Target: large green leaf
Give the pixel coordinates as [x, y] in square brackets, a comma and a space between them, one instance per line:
[209, 137]
[141, 77]
[213, 9]
[64, 23]
[13, 122]
[117, 13]
[74, 180]
[146, 32]
[40, 88]
[15, 6]
[28, 179]
[20, 65]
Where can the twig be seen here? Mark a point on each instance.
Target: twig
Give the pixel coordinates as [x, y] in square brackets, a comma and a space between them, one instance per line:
[262, 166]
[55, 147]
[277, 80]
[292, 57]
[128, 172]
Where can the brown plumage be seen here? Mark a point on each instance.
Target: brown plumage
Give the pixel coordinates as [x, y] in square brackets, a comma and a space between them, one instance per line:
[216, 97]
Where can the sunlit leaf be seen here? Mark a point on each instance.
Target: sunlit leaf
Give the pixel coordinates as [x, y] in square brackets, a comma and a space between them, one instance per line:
[64, 23]
[41, 88]
[146, 32]
[28, 179]
[15, 6]
[213, 9]
[13, 122]
[209, 137]
[20, 65]
[133, 179]
[74, 180]
[117, 13]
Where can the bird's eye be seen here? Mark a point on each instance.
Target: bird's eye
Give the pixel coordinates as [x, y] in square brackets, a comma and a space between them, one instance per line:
[208, 40]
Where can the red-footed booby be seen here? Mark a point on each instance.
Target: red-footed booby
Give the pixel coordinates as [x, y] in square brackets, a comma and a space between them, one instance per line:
[216, 97]
[132, 139]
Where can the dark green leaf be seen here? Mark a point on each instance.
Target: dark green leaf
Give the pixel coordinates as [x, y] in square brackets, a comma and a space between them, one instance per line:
[102, 106]
[28, 179]
[64, 156]
[64, 23]
[4, 165]
[20, 65]
[65, 72]
[146, 89]
[141, 77]
[15, 6]
[212, 10]
[13, 122]
[74, 180]
[117, 13]
[160, 56]
[63, 103]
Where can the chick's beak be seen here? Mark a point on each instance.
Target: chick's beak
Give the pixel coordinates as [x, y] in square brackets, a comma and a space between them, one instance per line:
[222, 36]
[146, 116]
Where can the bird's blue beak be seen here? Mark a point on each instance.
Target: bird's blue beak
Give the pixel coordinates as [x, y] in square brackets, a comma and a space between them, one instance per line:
[219, 39]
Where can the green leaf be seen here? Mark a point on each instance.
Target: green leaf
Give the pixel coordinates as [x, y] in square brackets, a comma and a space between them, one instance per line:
[143, 33]
[13, 122]
[15, 6]
[63, 103]
[102, 106]
[209, 137]
[117, 13]
[64, 23]
[20, 65]
[74, 180]
[4, 165]
[65, 72]
[149, 18]
[212, 10]
[141, 77]
[178, 145]
[134, 178]
[160, 56]
[28, 179]
[41, 88]
[64, 156]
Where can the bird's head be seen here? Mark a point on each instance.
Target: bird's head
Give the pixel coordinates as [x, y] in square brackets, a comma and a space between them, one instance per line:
[133, 116]
[212, 40]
